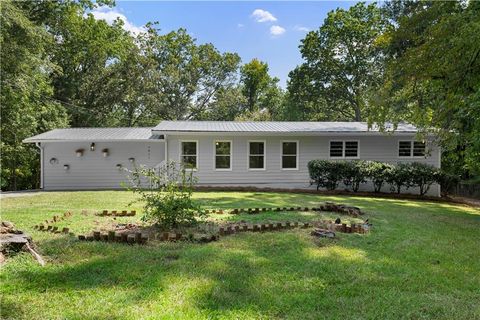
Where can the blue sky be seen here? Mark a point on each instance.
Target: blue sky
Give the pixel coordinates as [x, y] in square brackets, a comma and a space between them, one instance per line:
[269, 31]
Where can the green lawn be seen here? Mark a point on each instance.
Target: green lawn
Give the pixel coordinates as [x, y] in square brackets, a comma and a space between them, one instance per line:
[421, 261]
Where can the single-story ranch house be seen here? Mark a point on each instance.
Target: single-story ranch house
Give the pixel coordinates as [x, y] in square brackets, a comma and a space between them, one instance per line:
[222, 153]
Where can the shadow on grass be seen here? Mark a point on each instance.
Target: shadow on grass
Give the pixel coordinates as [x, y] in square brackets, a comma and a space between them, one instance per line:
[250, 272]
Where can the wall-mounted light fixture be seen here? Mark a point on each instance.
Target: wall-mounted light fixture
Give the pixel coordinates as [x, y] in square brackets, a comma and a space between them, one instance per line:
[132, 160]
[53, 161]
[66, 167]
[92, 146]
[119, 166]
[105, 152]
[79, 152]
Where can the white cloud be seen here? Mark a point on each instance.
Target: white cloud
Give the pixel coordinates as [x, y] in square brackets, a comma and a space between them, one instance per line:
[277, 30]
[110, 15]
[300, 28]
[263, 16]
[240, 25]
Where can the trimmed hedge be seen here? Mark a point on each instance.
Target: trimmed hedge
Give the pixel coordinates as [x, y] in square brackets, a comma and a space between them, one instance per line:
[328, 174]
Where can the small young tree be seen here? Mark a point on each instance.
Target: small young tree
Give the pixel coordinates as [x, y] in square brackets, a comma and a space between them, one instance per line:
[166, 193]
[423, 176]
[378, 172]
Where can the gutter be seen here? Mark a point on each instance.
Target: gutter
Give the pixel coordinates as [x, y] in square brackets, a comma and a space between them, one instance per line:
[293, 134]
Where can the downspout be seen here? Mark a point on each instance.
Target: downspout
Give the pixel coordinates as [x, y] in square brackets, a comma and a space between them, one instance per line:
[39, 146]
[166, 156]
[166, 147]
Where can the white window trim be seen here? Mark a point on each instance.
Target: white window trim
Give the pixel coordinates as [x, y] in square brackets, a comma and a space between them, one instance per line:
[297, 155]
[215, 155]
[180, 154]
[264, 155]
[343, 149]
[411, 156]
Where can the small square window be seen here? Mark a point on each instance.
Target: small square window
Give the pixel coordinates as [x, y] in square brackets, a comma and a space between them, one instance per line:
[336, 149]
[351, 149]
[418, 149]
[405, 149]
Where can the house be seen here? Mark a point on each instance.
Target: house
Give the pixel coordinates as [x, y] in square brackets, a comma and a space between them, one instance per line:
[222, 153]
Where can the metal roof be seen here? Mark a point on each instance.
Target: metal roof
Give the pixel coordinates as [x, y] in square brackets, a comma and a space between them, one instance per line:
[273, 127]
[95, 134]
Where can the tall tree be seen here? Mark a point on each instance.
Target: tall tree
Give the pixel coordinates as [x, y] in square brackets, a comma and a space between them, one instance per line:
[342, 62]
[87, 48]
[433, 76]
[186, 76]
[26, 96]
[254, 78]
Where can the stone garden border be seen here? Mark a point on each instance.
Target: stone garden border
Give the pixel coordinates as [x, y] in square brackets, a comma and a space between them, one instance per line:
[141, 238]
[115, 213]
[327, 206]
[48, 224]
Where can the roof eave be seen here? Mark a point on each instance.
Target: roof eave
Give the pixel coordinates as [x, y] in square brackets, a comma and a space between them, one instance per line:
[30, 140]
[279, 133]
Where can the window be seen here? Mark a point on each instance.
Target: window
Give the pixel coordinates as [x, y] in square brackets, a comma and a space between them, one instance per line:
[343, 149]
[289, 154]
[411, 149]
[188, 154]
[256, 155]
[223, 155]
[405, 149]
[336, 149]
[418, 149]
[351, 149]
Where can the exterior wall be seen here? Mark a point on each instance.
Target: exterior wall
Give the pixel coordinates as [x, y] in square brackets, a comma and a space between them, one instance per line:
[93, 170]
[379, 148]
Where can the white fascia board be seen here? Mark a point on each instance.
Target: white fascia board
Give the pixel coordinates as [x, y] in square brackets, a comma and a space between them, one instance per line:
[90, 140]
[293, 134]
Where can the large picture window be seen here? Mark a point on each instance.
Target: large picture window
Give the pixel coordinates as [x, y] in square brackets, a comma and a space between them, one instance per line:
[188, 154]
[256, 155]
[223, 155]
[408, 149]
[344, 149]
[290, 155]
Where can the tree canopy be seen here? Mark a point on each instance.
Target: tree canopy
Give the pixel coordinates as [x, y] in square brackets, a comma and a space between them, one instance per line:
[410, 61]
[342, 62]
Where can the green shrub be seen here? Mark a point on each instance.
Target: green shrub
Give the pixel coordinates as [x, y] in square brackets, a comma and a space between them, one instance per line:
[377, 172]
[447, 181]
[353, 173]
[399, 176]
[167, 194]
[324, 173]
[422, 176]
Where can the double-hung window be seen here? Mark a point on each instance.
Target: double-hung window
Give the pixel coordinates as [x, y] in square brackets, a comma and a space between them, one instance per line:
[289, 155]
[223, 155]
[344, 149]
[256, 155]
[189, 154]
[409, 149]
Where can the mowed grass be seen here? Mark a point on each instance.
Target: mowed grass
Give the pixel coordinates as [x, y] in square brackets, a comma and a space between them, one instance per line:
[421, 261]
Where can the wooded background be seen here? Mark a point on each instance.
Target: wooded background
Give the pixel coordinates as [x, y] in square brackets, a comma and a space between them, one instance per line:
[402, 61]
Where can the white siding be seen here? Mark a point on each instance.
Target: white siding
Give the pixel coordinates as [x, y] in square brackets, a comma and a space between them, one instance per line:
[93, 170]
[379, 148]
